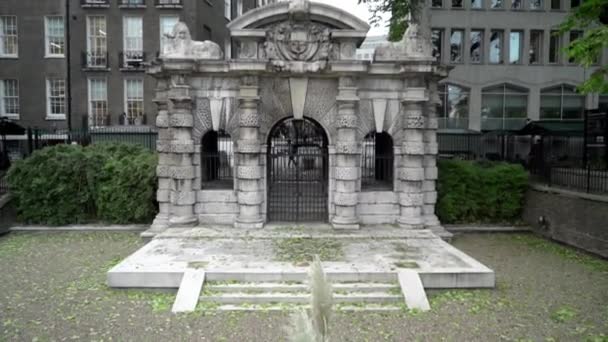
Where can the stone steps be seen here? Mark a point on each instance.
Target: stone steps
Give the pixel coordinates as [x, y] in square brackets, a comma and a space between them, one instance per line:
[275, 296]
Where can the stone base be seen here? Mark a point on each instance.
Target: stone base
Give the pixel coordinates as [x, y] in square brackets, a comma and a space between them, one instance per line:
[183, 221]
[339, 224]
[410, 223]
[239, 224]
[160, 224]
[441, 232]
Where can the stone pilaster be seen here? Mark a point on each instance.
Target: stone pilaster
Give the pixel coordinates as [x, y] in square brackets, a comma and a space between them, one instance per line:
[430, 159]
[178, 147]
[161, 222]
[346, 170]
[411, 168]
[249, 167]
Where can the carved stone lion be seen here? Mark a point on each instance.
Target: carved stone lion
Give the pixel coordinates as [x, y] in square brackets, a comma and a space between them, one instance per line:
[180, 45]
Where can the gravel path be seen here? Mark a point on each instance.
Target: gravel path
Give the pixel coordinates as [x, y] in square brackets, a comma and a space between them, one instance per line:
[52, 288]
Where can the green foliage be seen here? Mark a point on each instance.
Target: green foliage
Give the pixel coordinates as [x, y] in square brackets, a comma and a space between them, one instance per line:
[68, 184]
[302, 250]
[592, 17]
[473, 192]
[399, 11]
[564, 314]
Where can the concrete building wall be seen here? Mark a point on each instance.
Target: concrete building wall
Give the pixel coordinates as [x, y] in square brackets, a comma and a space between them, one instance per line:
[572, 218]
[532, 77]
[31, 68]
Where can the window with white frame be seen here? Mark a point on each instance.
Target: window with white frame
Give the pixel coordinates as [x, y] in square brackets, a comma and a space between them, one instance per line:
[55, 98]
[9, 98]
[167, 22]
[97, 41]
[98, 102]
[133, 40]
[8, 36]
[228, 9]
[134, 100]
[54, 36]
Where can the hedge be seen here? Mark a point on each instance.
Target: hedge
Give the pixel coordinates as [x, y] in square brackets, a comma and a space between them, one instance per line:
[480, 192]
[68, 184]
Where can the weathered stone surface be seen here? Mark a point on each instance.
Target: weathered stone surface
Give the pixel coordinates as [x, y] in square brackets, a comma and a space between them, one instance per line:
[250, 198]
[176, 172]
[411, 174]
[181, 120]
[216, 208]
[248, 146]
[247, 119]
[249, 172]
[411, 199]
[346, 121]
[346, 199]
[175, 146]
[414, 148]
[221, 196]
[378, 197]
[346, 173]
[348, 148]
[183, 197]
[430, 197]
[431, 173]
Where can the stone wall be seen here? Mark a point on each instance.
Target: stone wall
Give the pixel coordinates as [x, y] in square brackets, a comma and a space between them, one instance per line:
[378, 207]
[216, 207]
[577, 219]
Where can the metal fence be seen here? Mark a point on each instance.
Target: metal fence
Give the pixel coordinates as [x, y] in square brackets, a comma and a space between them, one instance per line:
[3, 183]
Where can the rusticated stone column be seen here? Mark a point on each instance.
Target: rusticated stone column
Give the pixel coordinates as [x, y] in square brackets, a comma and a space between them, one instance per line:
[179, 147]
[430, 159]
[346, 170]
[161, 222]
[249, 169]
[411, 169]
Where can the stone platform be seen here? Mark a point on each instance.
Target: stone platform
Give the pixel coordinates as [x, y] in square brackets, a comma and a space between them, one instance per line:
[372, 254]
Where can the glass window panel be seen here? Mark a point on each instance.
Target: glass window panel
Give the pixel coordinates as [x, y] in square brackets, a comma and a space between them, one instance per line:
[515, 47]
[437, 40]
[98, 102]
[456, 3]
[554, 47]
[556, 4]
[9, 97]
[574, 35]
[476, 4]
[536, 4]
[437, 3]
[456, 46]
[54, 36]
[575, 3]
[228, 9]
[8, 36]
[134, 99]
[166, 27]
[516, 4]
[496, 3]
[476, 46]
[496, 47]
[516, 106]
[133, 34]
[550, 107]
[458, 102]
[492, 105]
[56, 96]
[536, 47]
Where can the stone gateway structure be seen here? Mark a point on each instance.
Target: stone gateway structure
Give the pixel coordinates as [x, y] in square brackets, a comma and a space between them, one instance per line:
[295, 128]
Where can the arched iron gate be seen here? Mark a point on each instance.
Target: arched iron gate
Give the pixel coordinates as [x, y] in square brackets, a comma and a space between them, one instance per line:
[297, 172]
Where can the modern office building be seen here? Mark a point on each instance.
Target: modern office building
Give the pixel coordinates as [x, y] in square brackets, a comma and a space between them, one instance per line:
[509, 66]
[110, 42]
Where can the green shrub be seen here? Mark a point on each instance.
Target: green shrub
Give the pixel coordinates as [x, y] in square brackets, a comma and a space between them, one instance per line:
[69, 184]
[480, 192]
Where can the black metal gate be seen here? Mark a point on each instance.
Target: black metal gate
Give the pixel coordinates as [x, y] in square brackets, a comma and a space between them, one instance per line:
[297, 172]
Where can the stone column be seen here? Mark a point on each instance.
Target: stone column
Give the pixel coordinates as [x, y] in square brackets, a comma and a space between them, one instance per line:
[411, 169]
[430, 159]
[161, 222]
[179, 150]
[249, 169]
[347, 156]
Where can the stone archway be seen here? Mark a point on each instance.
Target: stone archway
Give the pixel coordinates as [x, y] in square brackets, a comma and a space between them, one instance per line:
[297, 171]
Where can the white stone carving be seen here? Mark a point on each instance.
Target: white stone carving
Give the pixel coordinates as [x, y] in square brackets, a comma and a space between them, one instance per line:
[379, 106]
[298, 87]
[180, 45]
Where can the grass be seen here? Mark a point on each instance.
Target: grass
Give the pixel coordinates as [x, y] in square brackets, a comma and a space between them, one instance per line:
[540, 244]
[300, 251]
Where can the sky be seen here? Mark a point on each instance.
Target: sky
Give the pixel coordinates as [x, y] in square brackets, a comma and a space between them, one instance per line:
[360, 11]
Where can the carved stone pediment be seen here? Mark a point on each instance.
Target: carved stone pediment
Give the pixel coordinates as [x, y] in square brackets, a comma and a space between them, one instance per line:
[292, 41]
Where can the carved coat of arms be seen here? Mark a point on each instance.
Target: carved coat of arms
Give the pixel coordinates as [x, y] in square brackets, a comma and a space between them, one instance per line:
[305, 42]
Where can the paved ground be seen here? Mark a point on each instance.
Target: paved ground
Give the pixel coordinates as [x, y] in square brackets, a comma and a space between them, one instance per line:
[52, 288]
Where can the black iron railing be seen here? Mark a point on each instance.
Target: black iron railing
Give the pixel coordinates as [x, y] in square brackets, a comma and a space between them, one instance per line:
[95, 3]
[3, 183]
[95, 60]
[132, 60]
[217, 160]
[168, 3]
